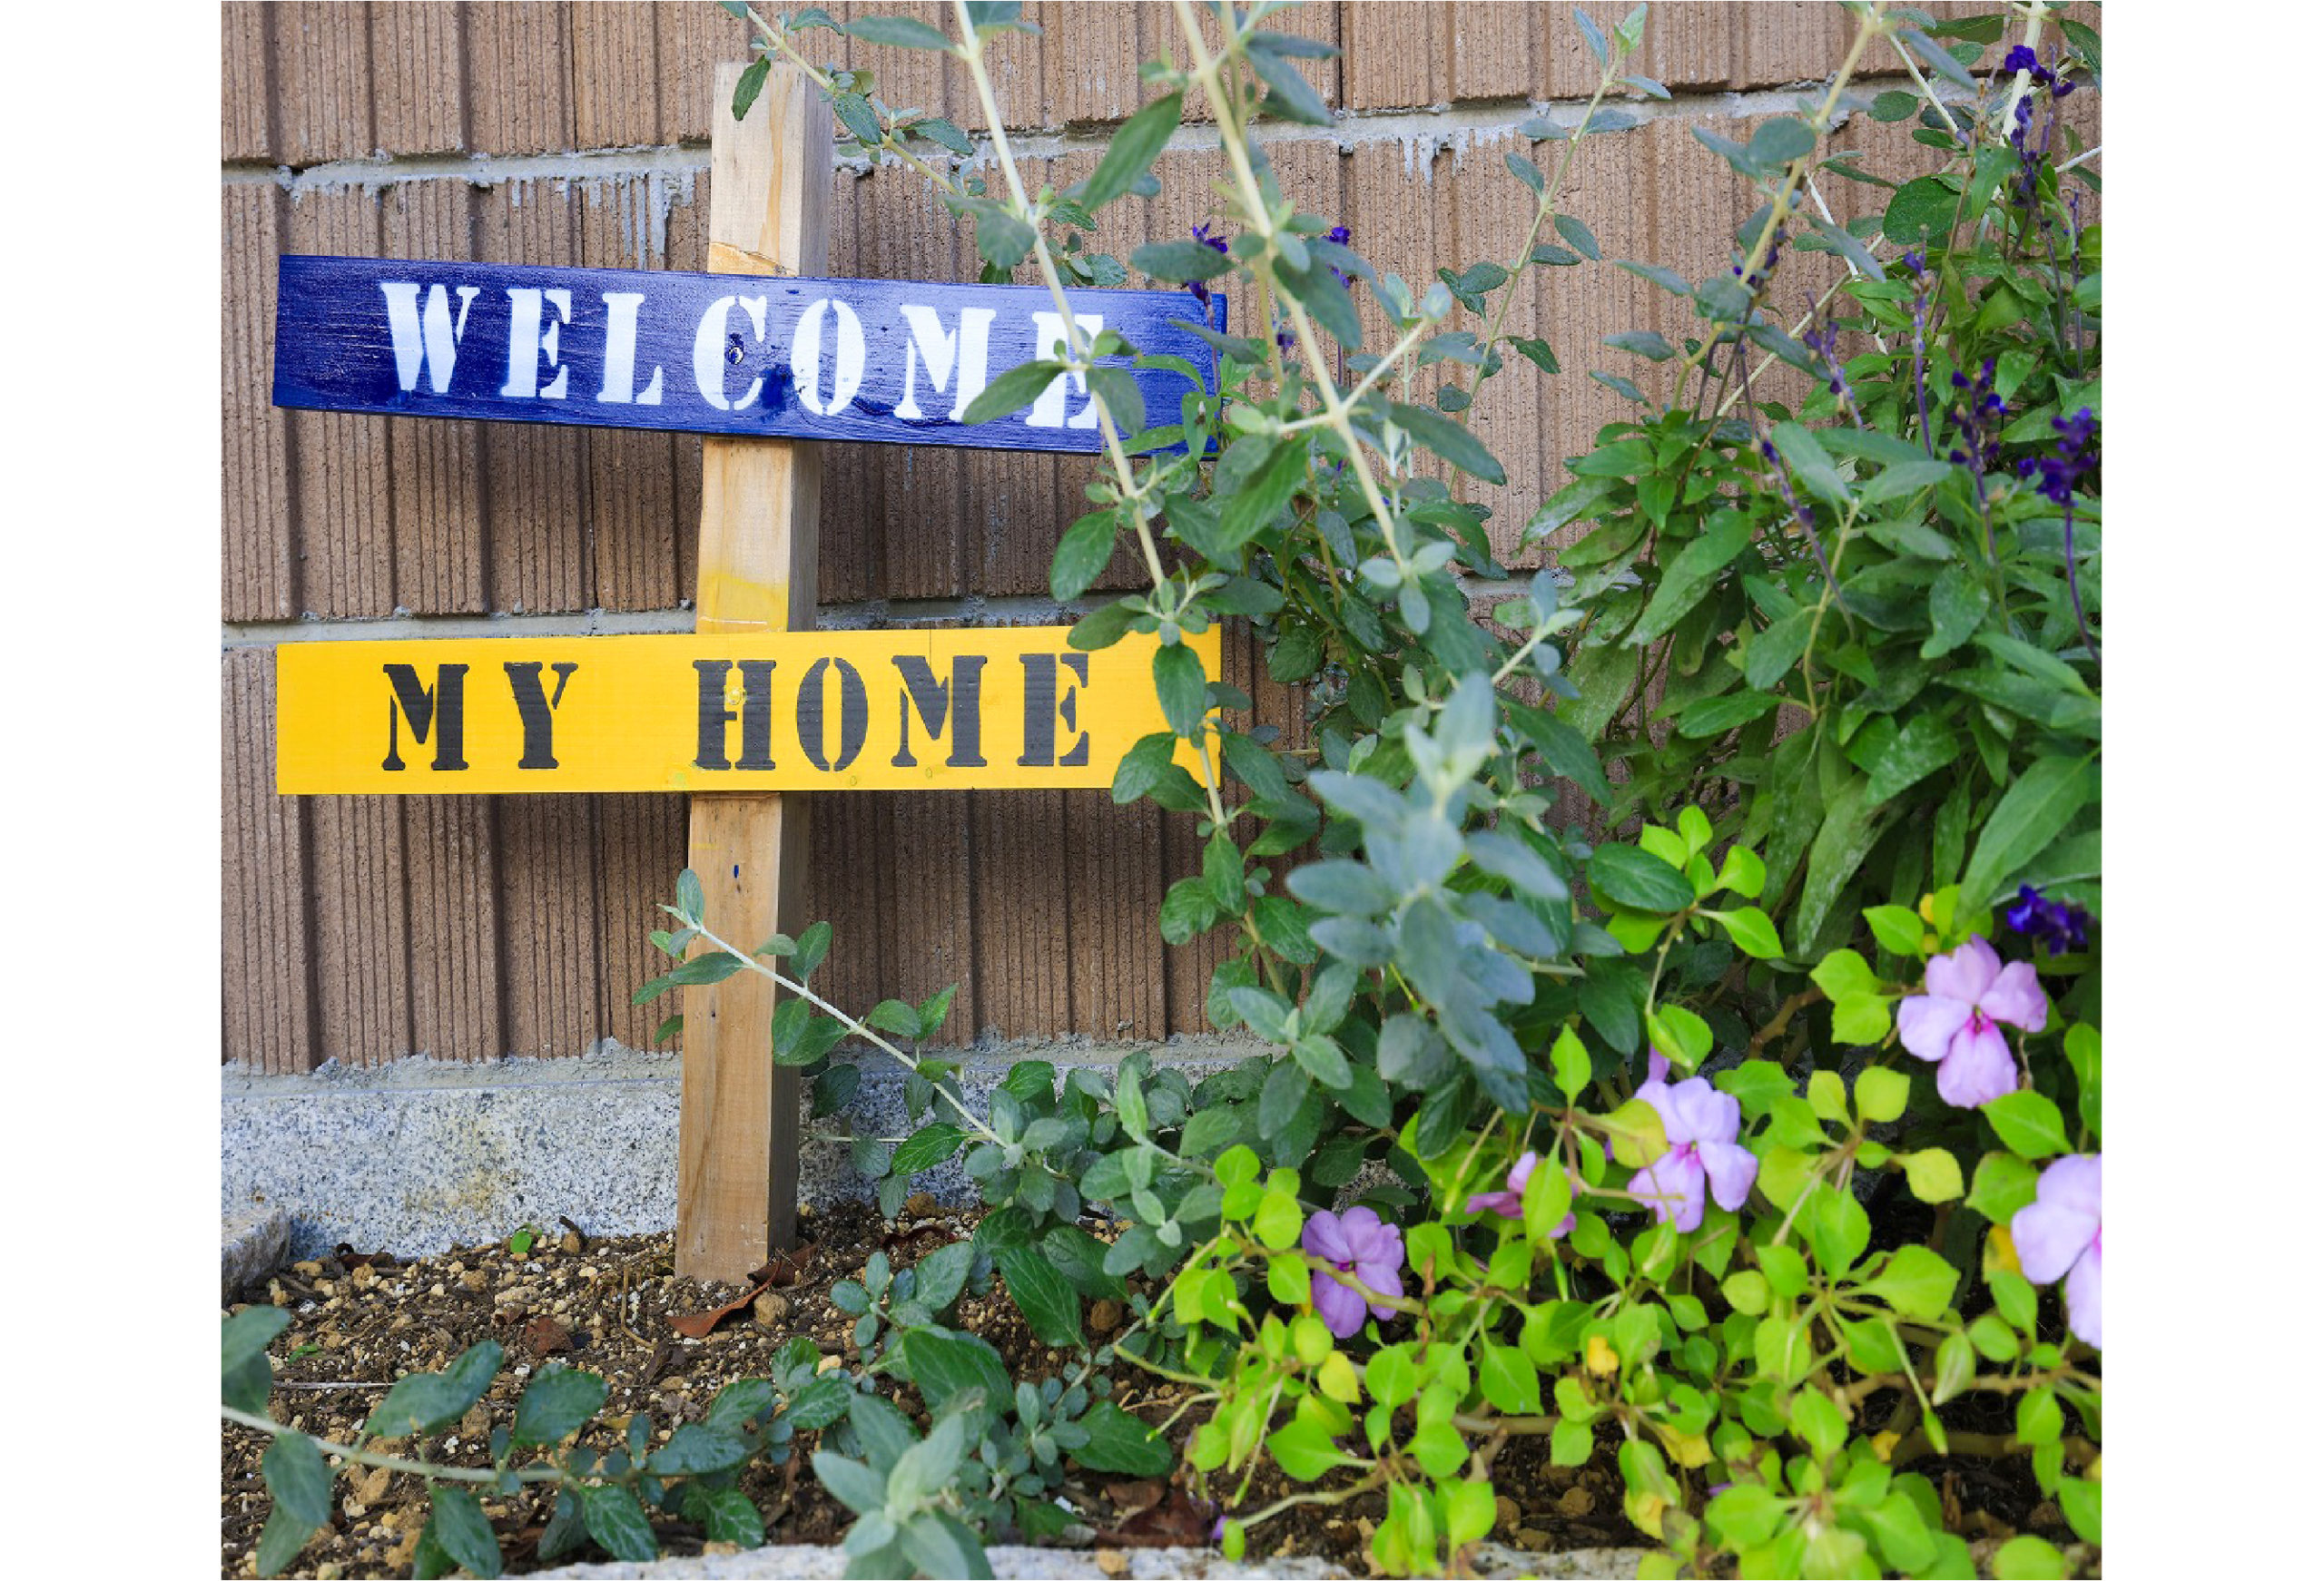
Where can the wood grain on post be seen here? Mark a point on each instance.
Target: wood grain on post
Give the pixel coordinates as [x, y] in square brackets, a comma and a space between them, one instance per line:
[738, 1114]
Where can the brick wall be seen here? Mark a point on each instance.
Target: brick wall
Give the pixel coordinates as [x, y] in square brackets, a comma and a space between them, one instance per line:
[364, 929]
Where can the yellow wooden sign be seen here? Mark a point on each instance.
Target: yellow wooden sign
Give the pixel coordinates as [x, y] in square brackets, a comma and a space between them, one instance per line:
[798, 711]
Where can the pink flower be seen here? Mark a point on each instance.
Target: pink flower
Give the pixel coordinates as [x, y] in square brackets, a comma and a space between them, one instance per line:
[1356, 1242]
[1511, 1203]
[1957, 1021]
[1701, 1123]
[2057, 1235]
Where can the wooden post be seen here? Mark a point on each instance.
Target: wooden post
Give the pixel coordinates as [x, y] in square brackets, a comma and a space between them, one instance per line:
[738, 1114]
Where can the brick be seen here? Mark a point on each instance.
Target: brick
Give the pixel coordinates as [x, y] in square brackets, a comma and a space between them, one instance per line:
[362, 944]
[933, 926]
[1398, 53]
[436, 467]
[1089, 55]
[905, 79]
[850, 884]
[455, 918]
[519, 97]
[1024, 910]
[1113, 863]
[641, 848]
[265, 930]
[548, 850]
[259, 565]
[690, 41]
[344, 527]
[246, 92]
[417, 56]
[1493, 51]
[323, 82]
[613, 74]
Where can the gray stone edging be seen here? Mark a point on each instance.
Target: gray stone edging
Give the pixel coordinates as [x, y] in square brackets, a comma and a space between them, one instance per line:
[1491, 1559]
[421, 1156]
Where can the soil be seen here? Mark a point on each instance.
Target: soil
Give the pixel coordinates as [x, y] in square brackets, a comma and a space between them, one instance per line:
[606, 1305]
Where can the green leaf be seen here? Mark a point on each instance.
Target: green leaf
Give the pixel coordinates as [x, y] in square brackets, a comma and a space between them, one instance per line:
[1013, 390]
[1121, 1443]
[1082, 554]
[1630, 876]
[1449, 439]
[1917, 1282]
[851, 1482]
[726, 1516]
[1753, 931]
[2028, 1559]
[1262, 497]
[1132, 150]
[2031, 813]
[2003, 1183]
[1689, 574]
[862, 122]
[1933, 1174]
[1052, 1309]
[1806, 459]
[1305, 1450]
[900, 31]
[927, 1147]
[1880, 1095]
[1577, 237]
[556, 1402]
[1781, 139]
[2028, 1125]
[1184, 692]
[1510, 1380]
[295, 1474]
[280, 1541]
[944, 1364]
[244, 1336]
[615, 1522]
[1179, 261]
[696, 1449]
[1920, 212]
[1956, 608]
[1291, 96]
[747, 86]
[456, 1522]
[939, 1544]
[421, 1402]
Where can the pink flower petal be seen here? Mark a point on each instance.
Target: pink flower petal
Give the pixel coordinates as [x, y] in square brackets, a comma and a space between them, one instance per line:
[1978, 1070]
[1360, 1224]
[2082, 1298]
[1927, 1024]
[2052, 1230]
[1506, 1203]
[1325, 1237]
[1340, 1307]
[1731, 1169]
[1383, 1279]
[2016, 998]
[1672, 1187]
[1703, 1112]
[1522, 1172]
[1965, 974]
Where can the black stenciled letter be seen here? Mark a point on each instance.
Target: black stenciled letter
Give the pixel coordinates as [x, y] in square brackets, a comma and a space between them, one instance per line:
[537, 711]
[854, 714]
[963, 694]
[1044, 708]
[422, 705]
[711, 714]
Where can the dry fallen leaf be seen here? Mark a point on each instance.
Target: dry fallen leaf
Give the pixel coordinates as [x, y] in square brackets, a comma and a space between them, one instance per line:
[544, 1336]
[783, 1269]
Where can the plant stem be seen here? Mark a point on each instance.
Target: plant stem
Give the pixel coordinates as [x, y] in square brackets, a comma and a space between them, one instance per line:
[429, 1468]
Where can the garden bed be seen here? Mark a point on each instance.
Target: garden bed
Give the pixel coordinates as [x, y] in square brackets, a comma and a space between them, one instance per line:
[606, 1305]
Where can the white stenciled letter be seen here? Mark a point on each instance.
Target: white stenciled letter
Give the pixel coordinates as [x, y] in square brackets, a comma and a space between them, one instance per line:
[431, 338]
[1048, 333]
[807, 356]
[710, 350]
[621, 354]
[530, 344]
[929, 344]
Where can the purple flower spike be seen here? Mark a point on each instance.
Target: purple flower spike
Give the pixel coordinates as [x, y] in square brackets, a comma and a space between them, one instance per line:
[1957, 1021]
[1700, 1123]
[2057, 1236]
[1356, 1242]
[2058, 926]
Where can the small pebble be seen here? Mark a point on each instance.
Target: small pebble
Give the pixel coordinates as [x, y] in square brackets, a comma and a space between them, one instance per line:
[770, 1309]
[1505, 1513]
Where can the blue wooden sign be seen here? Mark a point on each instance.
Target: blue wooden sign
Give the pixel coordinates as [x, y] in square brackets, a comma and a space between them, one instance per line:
[892, 362]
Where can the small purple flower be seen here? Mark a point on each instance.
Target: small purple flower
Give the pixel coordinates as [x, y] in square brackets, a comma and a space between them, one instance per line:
[1957, 1021]
[1511, 1203]
[1356, 1242]
[1198, 288]
[2058, 1236]
[2058, 925]
[2020, 59]
[2062, 472]
[1700, 1123]
[1337, 234]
